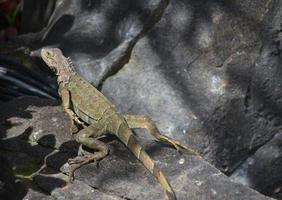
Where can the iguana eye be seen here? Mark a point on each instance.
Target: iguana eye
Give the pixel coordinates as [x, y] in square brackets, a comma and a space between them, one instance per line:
[49, 53]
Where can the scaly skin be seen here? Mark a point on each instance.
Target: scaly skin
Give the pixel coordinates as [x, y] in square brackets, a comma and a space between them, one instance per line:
[87, 106]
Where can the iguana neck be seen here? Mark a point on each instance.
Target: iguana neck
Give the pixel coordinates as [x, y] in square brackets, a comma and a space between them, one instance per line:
[64, 73]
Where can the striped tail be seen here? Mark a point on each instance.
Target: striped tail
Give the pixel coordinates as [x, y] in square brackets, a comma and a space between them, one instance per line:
[126, 136]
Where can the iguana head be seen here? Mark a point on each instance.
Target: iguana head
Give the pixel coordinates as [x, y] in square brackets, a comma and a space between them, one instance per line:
[58, 63]
[54, 58]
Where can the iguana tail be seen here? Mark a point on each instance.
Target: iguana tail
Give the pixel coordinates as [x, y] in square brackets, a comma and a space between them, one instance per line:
[126, 136]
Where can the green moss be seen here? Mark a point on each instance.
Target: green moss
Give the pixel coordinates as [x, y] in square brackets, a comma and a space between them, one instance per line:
[23, 169]
[26, 171]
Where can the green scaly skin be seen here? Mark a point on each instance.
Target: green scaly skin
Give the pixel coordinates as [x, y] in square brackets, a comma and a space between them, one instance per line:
[87, 106]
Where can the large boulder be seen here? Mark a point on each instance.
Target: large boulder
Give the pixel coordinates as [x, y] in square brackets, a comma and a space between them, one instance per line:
[39, 145]
[208, 72]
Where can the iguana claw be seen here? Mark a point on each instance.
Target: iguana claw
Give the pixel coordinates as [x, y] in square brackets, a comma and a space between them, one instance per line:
[83, 102]
[76, 163]
[177, 145]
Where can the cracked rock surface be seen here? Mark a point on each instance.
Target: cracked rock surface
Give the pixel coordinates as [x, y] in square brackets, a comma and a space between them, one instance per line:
[207, 72]
[37, 152]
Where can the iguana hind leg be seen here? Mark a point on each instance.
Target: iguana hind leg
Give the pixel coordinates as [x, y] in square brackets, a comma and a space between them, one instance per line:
[87, 137]
[140, 121]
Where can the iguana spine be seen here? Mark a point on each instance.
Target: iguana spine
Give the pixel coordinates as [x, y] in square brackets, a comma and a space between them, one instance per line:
[86, 105]
[123, 132]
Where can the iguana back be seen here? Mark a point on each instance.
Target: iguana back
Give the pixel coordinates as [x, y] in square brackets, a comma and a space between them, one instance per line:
[86, 100]
[92, 106]
[82, 101]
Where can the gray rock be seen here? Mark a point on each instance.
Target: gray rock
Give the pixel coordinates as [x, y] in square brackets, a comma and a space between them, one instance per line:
[120, 175]
[107, 29]
[13, 187]
[18, 146]
[81, 191]
[263, 176]
[208, 75]
[208, 72]
[49, 179]
[29, 124]
[190, 176]
[33, 194]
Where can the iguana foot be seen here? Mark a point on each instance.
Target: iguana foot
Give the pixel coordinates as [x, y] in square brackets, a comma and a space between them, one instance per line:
[78, 162]
[177, 145]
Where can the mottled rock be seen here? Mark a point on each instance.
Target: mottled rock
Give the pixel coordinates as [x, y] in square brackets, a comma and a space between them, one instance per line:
[33, 194]
[82, 191]
[262, 170]
[49, 179]
[14, 188]
[190, 176]
[107, 29]
[118, 176]
[36, 126]
[208, 75]
[208, 72]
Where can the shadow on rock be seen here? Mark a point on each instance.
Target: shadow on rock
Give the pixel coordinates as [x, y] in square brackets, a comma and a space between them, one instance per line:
[19, 151]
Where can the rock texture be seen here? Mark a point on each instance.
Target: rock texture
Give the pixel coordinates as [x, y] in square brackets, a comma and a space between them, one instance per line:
[208, 73]
[104, 31]
[261, 169]
[38, 159]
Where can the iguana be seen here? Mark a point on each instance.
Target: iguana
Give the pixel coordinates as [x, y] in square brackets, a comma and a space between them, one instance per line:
[87, 106]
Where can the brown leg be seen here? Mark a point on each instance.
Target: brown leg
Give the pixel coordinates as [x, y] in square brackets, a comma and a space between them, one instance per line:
[85, 137]
[140, 121]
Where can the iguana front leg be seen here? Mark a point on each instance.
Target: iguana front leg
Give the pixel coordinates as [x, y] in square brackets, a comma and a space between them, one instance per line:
[66, 105]
[140, 121]
[87, 137]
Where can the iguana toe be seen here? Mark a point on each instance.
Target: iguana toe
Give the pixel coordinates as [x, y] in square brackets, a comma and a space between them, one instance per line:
[177, 145]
